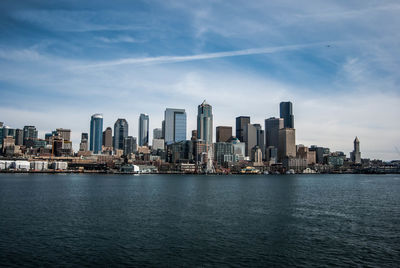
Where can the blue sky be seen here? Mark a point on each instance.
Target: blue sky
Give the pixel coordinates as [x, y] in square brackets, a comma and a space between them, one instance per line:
[337, 61]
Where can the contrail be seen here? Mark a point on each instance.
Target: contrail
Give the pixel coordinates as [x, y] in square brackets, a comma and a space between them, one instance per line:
[205, 56]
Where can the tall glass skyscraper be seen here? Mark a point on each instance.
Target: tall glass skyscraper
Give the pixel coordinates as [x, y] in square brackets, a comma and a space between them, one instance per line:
[143, 130]
[175, 125]
[120, 133]
[272, 127]
[205, 122]
[96, 133]
[241, 123]
[30, 132]
[286, 112]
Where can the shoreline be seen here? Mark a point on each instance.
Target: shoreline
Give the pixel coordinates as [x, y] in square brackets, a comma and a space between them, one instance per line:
[177, 173]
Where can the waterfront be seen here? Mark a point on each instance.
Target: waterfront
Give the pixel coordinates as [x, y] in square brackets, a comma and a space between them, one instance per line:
[175, 220]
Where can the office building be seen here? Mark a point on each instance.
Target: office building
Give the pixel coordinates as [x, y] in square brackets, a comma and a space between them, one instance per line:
[83, 146]
[157, 133]
[256, 156]
[320, 153]
[120, 133]
[96, 133]
[158, 144]
[30, 133]
[287, 143]
[175, 125]
[223, 152]
[239, 149]
[241, 123]
[304, 152]
[336, 159]
[272, 127]
[64, 133]
[254, 136]
[19, 137]
[163, 129]
[205, 122]
[355, 155]
[143, 130]
[271, 154]
[286, 112]
[129, 145]
[107, 138]
[223, 134]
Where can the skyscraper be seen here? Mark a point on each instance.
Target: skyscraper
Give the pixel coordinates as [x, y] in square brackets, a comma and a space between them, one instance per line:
[96, 133]
[286, 112]
[205, 122]
[175, 125]
[143, 130]
[19, 137]
[129, 145]
[30, 133]
[120, 133]
[107, 137]
[223, 134]
[157, 133]
[241, 123]
[254, 136]
[355, 155]
[272, 126]
[287, 143]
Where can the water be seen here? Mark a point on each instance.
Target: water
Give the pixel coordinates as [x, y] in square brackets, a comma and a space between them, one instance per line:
[169, 220]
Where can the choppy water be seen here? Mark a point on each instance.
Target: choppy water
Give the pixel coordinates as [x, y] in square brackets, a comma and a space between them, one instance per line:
[169, 220]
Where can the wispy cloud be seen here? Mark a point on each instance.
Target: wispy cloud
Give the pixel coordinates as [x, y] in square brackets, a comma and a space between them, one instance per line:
[204, 56]
[119, 39]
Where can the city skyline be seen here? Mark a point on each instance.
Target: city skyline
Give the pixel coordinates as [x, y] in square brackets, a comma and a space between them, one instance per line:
[252, 124]
[62, 62]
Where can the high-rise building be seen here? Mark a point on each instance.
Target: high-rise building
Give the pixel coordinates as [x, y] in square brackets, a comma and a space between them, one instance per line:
[223, 152]
[272, 127]
[254, 136]
[157, 133]
[304, 152]
[84, 136]
[271, 154]
[158, 144]
[287, 143]
[241, 123]
[120, 133]
[175, 125]
[256, 156]
[96, 133]
[355, 155]
[205, 122]
[129, 145]
[143, 130]
[320, 153]
[30, 133]
[163, 129]
[64, 133]
[239, 149]
[8, 131]
[286, 112]
[19, 137]
[107, 138]
[223, 134]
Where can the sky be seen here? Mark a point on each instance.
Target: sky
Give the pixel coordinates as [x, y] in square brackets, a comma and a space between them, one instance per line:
[337, 61]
